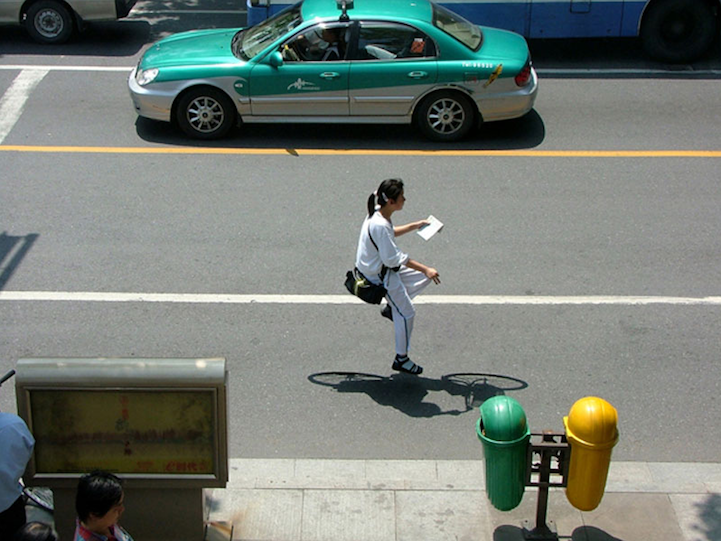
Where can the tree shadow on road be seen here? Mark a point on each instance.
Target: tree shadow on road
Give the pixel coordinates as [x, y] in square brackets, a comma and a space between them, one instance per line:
[709, 512]
[407, 393]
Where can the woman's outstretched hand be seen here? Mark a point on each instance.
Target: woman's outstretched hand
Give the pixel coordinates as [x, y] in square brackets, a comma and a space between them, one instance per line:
[433, 275]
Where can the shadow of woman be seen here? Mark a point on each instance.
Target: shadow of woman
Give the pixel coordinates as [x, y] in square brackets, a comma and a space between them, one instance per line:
[407, 393]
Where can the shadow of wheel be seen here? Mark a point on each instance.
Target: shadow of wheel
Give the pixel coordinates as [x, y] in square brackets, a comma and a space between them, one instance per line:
[480, 387]
[333, 379]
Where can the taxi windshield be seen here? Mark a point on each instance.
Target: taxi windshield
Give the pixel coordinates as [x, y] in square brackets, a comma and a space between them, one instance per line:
[458, 27]
[249, 42]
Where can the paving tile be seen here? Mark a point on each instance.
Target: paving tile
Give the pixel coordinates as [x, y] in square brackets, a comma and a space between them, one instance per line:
[685, 477]
[401, 474]
[330, 474]
[461, 474]
[633, 516]
[507, 525]
[348, 515]
[699, 516]
[441, 516]
[629, 477]
[252, 473]
[259, 515]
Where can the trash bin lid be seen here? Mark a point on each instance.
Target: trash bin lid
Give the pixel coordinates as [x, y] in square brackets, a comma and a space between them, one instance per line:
[593, 420]
[503, 419]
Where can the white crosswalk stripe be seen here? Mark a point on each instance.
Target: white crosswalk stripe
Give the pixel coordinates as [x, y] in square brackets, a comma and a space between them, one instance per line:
[14, 99]
[209, 298]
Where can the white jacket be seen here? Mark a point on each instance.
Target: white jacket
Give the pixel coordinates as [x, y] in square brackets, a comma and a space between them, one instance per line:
[370, 260]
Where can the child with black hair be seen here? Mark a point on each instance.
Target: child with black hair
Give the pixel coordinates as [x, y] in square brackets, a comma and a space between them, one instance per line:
[36, 531]
[99, 504]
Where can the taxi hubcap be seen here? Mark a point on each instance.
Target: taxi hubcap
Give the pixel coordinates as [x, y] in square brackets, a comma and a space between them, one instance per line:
[205, 114]
[446, 116]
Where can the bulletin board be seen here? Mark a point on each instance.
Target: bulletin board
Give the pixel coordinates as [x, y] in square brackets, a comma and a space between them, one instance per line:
[169, 432]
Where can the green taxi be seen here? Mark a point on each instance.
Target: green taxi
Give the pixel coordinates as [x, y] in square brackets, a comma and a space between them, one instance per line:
[342, 61]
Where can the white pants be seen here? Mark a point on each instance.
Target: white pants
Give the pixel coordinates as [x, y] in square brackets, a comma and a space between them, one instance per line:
[402, 286]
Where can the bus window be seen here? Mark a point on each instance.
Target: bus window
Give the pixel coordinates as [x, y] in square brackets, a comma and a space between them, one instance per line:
[669, 30]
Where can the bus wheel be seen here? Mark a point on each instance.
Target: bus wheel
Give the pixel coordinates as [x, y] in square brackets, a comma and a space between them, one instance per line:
[678, 31]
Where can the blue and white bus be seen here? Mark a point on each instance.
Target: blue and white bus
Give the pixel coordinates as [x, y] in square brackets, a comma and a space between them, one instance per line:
[675, 31]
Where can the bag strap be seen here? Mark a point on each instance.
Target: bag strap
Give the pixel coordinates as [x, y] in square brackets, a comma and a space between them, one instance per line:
[384, 269]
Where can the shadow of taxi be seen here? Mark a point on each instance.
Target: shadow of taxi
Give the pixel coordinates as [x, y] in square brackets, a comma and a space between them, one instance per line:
[518, 134]
[123, 38]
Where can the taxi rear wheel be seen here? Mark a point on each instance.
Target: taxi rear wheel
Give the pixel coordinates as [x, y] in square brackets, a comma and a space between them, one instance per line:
[205, 113]
[445, 116]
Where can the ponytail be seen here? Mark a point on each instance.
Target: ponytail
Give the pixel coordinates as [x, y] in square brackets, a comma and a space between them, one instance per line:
[371, 204]
[389, 189]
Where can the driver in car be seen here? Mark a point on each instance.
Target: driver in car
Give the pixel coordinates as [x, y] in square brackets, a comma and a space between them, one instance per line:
[325, 45]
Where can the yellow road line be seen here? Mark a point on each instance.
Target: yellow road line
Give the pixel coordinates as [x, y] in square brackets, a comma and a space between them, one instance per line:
[370, 152]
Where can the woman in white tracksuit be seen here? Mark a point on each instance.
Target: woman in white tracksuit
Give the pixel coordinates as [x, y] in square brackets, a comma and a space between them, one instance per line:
[382, 262]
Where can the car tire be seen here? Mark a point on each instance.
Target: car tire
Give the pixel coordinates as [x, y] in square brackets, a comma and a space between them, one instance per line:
[678, 31]
[205, 113]
[445, 116]
[48, 21]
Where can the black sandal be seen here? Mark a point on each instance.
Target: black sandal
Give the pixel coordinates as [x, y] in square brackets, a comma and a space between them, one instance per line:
[404, 364]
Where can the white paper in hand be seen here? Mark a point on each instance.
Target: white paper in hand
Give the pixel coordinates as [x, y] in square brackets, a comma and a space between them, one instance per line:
[434, 226]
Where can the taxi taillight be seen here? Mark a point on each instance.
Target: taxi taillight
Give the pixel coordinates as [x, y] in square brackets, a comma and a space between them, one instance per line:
[524, 76]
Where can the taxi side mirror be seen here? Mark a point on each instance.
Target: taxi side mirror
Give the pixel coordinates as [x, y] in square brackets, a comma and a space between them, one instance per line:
[275, 59]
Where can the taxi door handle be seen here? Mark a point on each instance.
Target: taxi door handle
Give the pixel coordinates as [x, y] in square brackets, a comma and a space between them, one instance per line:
[330, 75]
[418, 74]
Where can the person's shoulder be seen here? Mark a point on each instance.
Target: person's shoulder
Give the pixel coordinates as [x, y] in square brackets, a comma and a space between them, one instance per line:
[377, 220]
[378, 226]
[10, 420]
[81, 534]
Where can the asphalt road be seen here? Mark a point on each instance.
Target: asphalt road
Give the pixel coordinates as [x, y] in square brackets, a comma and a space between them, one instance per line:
[525, 225]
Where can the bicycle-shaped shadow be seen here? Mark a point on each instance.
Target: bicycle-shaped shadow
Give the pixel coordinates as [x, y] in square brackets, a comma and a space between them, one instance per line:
[407, 393]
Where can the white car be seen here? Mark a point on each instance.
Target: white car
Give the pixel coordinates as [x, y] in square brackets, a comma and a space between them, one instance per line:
[55, 21]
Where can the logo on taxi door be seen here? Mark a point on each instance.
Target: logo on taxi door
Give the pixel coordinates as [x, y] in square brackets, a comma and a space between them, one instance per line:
[300, 84]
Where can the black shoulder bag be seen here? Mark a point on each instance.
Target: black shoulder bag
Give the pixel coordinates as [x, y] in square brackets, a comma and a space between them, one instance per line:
[361, 287]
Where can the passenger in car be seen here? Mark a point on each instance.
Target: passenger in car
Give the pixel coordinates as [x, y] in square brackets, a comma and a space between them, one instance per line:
[335, 49]
[324, 45]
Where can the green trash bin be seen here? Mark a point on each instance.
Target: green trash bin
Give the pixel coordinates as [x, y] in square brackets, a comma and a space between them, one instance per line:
[504, 432]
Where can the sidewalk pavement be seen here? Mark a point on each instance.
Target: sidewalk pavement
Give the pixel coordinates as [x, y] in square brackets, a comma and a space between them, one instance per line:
[439, 500]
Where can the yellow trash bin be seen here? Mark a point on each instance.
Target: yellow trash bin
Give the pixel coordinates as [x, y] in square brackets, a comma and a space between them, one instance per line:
[591, 430]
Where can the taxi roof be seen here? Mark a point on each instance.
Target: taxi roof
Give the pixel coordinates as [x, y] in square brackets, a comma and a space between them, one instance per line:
[395, 9]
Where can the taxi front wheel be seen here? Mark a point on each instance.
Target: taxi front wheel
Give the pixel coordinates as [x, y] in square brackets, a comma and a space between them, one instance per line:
[205, 113]
[445, 116]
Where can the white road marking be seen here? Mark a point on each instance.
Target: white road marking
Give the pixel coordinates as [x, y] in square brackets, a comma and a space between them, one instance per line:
[209, 298]
[64, 68]
[134, 14]
[549, 73]
[13, 101]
